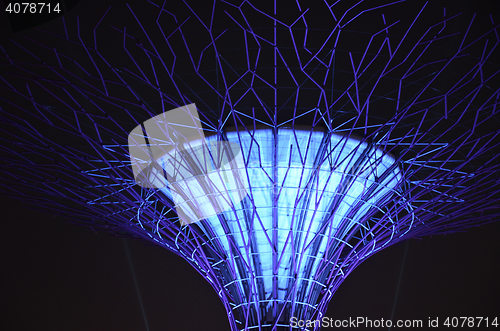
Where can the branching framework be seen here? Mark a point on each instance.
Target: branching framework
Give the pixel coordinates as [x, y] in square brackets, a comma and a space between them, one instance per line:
[359, 126]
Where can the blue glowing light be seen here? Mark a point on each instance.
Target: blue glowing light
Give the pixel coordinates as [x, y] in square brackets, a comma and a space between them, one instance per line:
[303, 188]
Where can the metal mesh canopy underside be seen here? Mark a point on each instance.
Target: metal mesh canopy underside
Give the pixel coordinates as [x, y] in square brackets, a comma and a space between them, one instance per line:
[282, 241]
[407, 84]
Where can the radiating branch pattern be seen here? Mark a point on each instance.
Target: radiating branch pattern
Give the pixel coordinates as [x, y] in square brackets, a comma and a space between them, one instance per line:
[360, 126]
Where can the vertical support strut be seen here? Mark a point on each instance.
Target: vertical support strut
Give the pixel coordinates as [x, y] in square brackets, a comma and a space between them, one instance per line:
[275, 175]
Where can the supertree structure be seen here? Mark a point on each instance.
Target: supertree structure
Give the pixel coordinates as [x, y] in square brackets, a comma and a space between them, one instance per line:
[344, 128]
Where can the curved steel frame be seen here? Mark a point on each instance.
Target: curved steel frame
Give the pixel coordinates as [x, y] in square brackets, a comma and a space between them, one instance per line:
[426, 94]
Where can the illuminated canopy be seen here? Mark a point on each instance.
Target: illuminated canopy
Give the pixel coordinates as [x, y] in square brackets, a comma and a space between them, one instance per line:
[282, 240]
[276, 223]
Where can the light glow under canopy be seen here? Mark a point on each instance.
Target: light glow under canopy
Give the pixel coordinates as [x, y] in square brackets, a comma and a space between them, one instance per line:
[306, 190]
[101, 127]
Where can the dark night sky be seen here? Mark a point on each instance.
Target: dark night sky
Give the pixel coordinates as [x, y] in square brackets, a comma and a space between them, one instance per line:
[59, 276]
